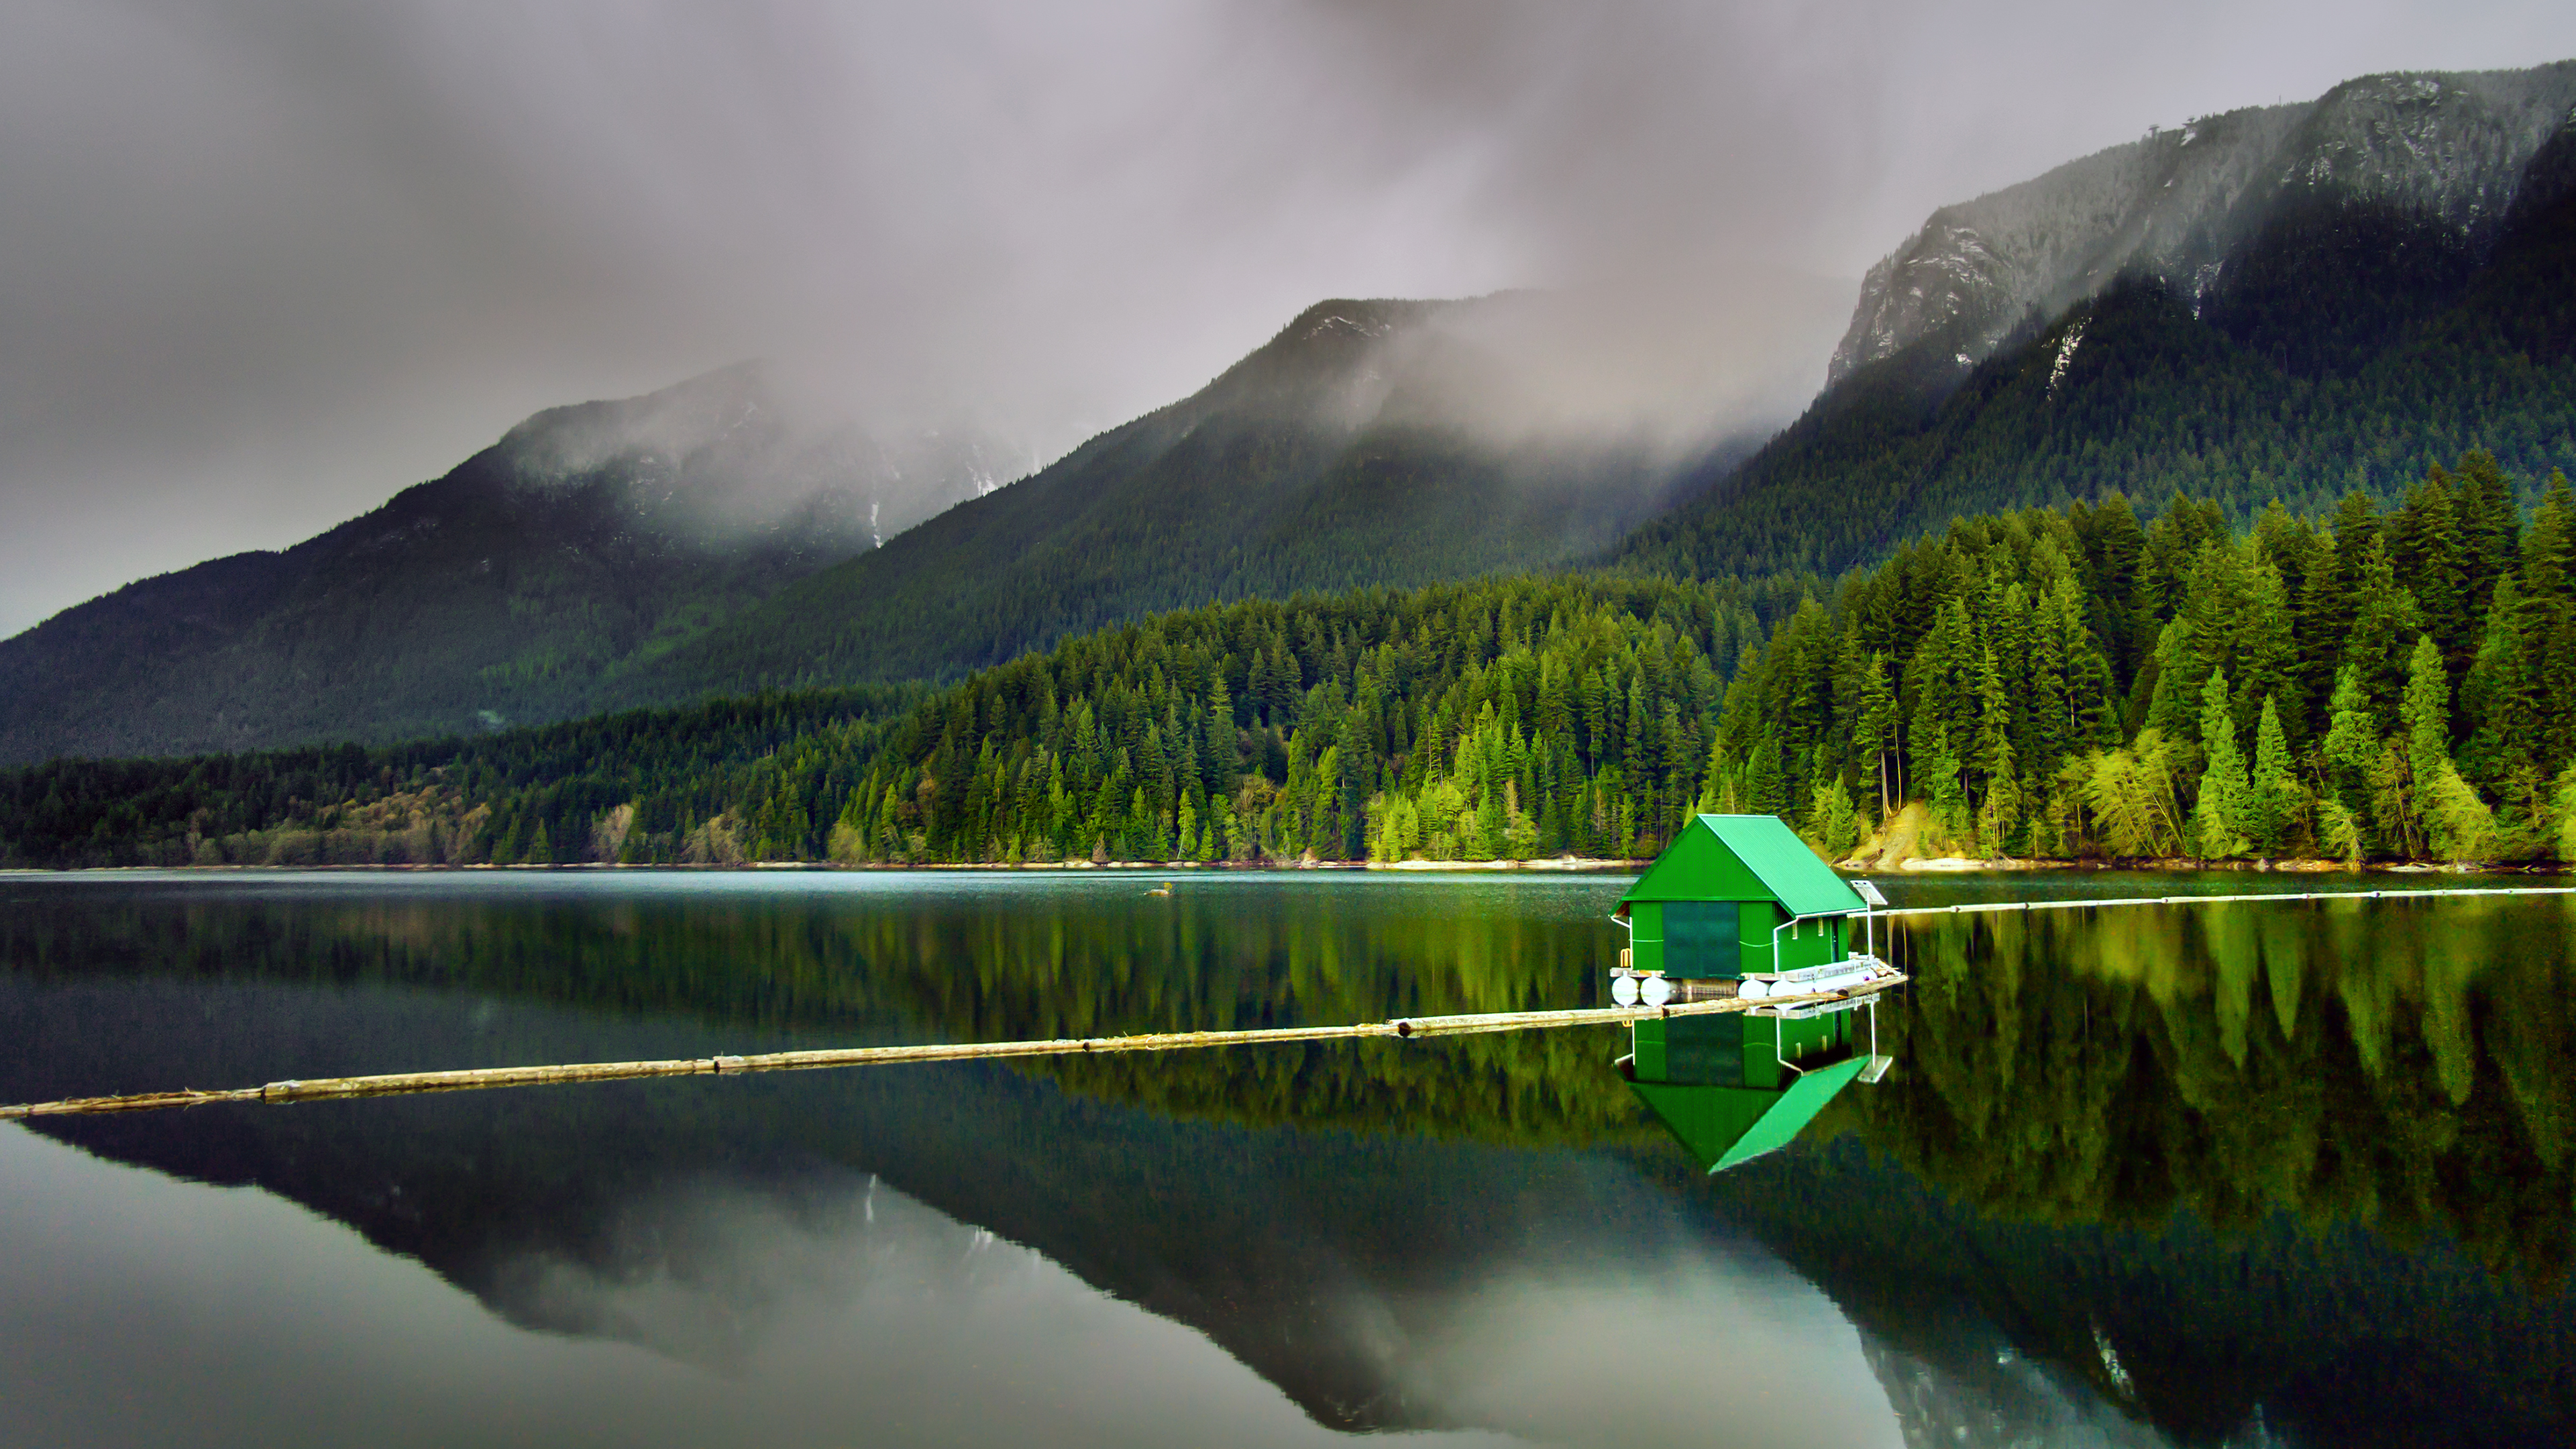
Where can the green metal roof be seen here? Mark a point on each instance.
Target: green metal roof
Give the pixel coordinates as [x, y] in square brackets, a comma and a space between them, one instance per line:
[1725, 1126]
[1780, 865]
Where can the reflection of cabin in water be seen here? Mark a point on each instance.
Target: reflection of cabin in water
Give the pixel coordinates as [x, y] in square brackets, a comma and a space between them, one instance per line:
[1735, 903]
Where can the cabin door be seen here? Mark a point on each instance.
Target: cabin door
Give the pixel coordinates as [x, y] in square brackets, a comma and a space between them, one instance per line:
[1701, 941]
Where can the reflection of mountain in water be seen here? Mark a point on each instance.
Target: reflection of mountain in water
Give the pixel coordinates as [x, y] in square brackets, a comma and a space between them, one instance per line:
[1332, 1263]
[2336, 1336]
[1983, 1392]
[2247, 1175]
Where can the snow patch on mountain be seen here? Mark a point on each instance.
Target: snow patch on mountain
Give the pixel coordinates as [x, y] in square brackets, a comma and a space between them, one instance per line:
[2065, 355]
[1353, 326]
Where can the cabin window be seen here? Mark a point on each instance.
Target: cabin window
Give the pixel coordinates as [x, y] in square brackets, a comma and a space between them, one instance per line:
[1701, 939]
[1704, 1051]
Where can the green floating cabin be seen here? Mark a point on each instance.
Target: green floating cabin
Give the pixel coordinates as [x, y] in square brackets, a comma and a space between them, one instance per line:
[1738, 894]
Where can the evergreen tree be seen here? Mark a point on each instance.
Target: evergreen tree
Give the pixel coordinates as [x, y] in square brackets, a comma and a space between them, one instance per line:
[1876, 737]
[2458, 823]
[2219, 818]
[2273, 806]
[2386, 622]
[1999, 788]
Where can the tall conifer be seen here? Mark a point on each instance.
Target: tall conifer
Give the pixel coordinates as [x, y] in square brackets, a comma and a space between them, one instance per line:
[2218, 819]
[2276, 793]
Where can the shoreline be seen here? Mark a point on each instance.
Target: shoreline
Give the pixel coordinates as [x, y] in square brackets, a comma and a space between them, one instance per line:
[1555, 865]
[1560, 865]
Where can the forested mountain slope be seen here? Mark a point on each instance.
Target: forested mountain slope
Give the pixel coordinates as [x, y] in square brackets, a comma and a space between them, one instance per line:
[638, 786]
[1253, 730]
[2061, 683]
[1369, 443]
[586, 540]
[2403, 295]
[2448, 152]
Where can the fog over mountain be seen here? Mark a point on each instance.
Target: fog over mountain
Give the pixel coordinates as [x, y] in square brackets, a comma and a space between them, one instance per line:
[264, 263]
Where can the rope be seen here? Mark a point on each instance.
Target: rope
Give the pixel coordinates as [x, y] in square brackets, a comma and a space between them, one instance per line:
[2086, 905]
[486, 1078]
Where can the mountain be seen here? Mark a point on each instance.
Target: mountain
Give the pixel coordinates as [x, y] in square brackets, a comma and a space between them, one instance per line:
[710, 540]
[2440, 154]
[2288, 302]
[1369, 443]
[588, 540]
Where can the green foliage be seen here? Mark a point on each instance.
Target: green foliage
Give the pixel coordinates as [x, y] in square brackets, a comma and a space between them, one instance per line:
[2072, 685]
[1487, 721]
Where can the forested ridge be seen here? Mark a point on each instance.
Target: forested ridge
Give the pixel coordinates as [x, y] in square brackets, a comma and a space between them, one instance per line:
[2348, 343]
[1509, 718]
[1251, 731]
[653, 552]
[585, 544]
[1328, 459]
[645, 785]
[2054, 683]
[2060, 683]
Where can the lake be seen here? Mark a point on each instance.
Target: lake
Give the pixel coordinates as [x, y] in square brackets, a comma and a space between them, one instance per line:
[2264, 1173]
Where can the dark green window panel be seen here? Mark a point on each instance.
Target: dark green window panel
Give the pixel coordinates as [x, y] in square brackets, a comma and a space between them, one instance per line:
[1701, 940]
[1705, 1051]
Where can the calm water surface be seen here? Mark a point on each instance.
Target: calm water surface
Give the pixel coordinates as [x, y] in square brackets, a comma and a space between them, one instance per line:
[2250, 1174]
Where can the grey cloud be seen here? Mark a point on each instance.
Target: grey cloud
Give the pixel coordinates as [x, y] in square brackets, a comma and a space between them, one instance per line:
[263, 262]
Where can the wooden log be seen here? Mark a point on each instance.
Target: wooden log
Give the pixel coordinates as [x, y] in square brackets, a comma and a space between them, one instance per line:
[473, 1079]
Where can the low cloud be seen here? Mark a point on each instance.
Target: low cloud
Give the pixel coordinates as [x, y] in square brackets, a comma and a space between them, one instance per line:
[264, 262]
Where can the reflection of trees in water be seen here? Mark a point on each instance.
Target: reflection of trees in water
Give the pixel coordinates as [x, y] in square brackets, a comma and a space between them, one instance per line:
[998, 977]
[749, 963]
[2197, 1074]
[2402, 1066]
[1005, 966]
[2397, 1065]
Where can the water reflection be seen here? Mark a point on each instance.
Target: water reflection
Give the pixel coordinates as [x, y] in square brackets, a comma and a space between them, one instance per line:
[140, 1310]
[2403, 1065]
[2280, 1173]
[1374, 1283]
[1730, 1088]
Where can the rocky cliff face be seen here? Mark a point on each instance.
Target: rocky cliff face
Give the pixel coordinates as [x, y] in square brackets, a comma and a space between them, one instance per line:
[2446, 150]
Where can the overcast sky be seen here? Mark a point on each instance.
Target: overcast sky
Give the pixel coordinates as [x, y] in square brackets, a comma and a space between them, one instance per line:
[263, 263]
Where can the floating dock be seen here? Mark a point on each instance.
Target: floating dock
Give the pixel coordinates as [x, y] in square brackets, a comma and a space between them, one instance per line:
[322, 1089]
